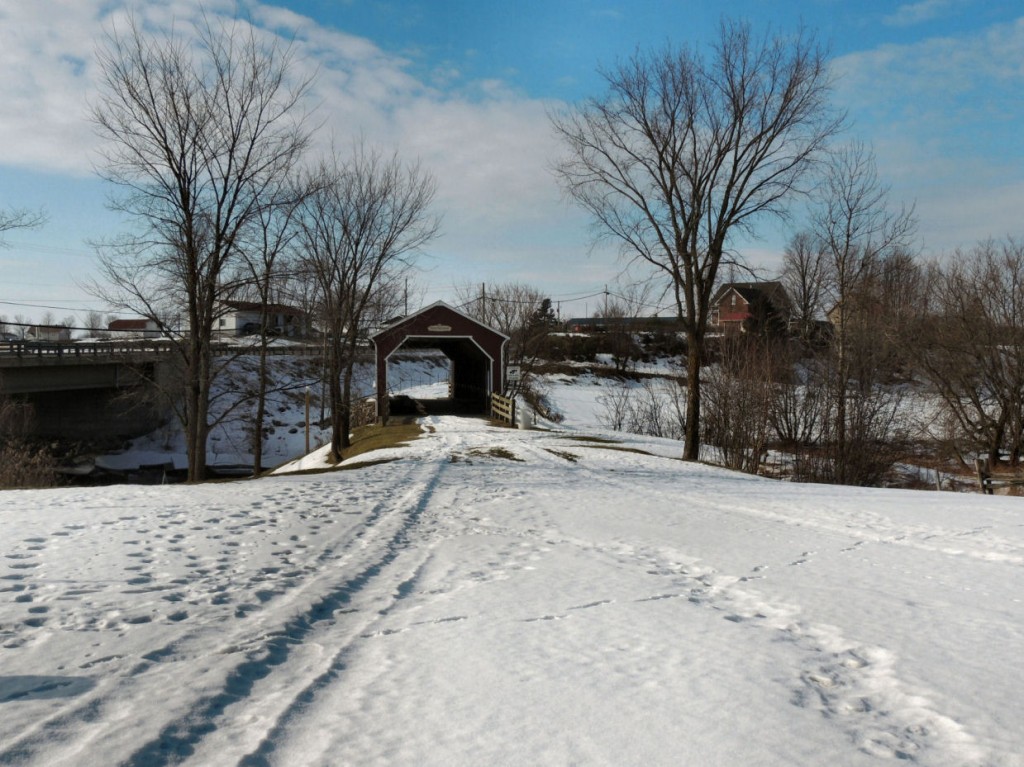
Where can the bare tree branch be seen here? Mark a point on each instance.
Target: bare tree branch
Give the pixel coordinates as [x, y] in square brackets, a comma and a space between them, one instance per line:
[198, 134]
[685, 150]
[20, 218]
[361, 230]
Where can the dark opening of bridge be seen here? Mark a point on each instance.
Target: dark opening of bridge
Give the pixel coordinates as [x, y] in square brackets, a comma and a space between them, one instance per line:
[476, 355]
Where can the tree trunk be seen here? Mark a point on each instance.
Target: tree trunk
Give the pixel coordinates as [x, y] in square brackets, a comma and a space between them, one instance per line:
[346, 403]
[197, 407]
[261, 404]
[335, 398]
[841, 457]
[691, 439]
[197, 468]
[199, 428]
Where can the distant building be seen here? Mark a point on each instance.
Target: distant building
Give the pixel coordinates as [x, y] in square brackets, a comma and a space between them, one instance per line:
[49, 333]
[243, 318]
[134, 328]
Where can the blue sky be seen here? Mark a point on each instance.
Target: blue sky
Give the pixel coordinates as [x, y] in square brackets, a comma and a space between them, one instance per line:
[936, 87]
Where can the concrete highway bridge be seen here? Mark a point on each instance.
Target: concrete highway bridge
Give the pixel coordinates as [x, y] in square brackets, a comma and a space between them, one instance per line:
[97, 389]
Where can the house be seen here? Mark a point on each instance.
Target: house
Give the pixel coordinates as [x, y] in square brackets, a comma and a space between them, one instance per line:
[134, 328]
[49, 333]
[751, 307]
[243, 318]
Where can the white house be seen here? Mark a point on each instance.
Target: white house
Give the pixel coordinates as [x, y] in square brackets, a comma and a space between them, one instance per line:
[242, 318]
[52, 333]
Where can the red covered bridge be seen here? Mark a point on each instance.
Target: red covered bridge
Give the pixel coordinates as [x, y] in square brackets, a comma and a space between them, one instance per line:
[476, 352]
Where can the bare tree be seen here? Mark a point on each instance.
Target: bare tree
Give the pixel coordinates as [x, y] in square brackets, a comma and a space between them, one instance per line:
[619, 336]
[804, 277]
[263, 272]
[861, 237]
[96, 325]
[360, 229]
[968, 342]
[685, 150]
[520, 311]
[19, 218]
[21, 325]
[856, 230]
[651, 406]
[197, 132]
[740, 393]
[623, 309]
[799, 404]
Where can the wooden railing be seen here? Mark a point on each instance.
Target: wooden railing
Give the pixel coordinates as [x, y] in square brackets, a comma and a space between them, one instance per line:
[503, 409]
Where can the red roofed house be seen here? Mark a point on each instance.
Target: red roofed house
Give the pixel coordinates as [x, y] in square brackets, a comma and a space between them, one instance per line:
[134, 328]
[751, 307]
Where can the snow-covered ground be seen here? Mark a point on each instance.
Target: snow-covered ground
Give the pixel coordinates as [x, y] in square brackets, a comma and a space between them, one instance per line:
[500, 596]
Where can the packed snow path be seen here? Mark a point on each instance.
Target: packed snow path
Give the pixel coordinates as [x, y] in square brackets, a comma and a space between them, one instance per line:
[492, 596]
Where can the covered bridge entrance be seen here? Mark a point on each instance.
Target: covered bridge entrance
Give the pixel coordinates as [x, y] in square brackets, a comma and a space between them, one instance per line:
[476, 353]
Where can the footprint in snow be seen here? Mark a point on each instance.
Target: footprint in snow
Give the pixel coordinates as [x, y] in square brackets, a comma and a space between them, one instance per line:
[592, 604]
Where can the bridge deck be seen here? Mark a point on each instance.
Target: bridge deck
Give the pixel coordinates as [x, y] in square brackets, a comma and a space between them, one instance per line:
[33, 354]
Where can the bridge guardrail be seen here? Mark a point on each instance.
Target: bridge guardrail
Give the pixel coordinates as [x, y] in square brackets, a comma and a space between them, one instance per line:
[19, 351]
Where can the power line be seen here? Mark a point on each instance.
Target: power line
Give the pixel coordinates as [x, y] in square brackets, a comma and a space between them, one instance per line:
[57, 308]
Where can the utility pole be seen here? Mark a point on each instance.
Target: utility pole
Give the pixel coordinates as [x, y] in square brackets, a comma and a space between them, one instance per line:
[483, 301]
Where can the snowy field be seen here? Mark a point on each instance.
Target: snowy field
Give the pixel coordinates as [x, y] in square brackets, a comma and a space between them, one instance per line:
[507, 597]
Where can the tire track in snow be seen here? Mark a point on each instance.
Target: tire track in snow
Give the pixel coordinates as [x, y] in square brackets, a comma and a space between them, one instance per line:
[179, 739]
[337, 664]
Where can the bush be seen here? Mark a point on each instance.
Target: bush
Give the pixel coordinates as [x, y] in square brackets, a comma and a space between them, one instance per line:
[22, 465]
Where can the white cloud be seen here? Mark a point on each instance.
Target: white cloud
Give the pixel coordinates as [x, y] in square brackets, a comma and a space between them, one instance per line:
[910, 14]
[47, 67]
[943, 116]
[50, 73]
[488, 146]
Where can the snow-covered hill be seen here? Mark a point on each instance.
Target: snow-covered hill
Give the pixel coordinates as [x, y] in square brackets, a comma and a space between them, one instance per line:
[498, 596]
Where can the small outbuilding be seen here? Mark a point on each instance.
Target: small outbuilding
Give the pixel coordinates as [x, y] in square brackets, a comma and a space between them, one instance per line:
[476, 353]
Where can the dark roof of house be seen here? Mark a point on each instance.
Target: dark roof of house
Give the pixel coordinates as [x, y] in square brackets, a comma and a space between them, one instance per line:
[141, 324]
[772, 292]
